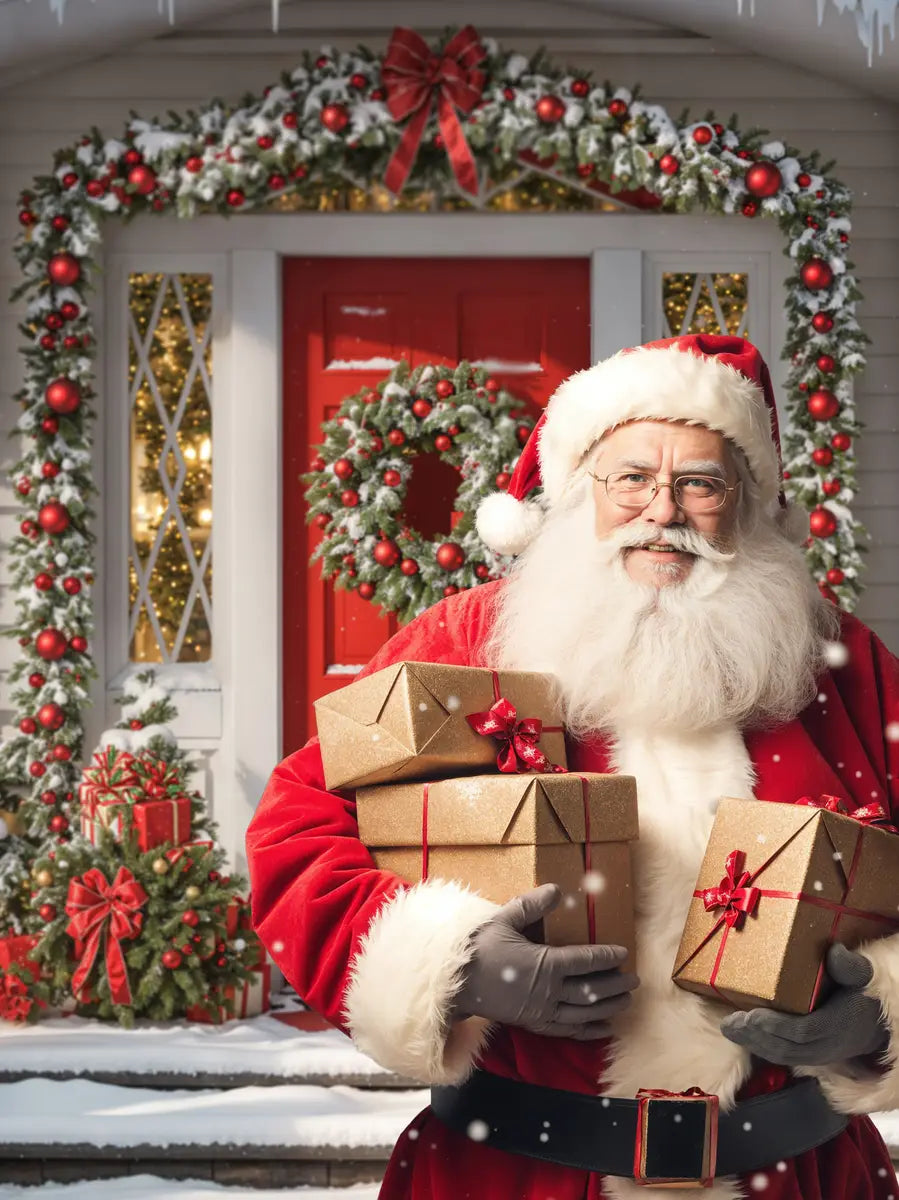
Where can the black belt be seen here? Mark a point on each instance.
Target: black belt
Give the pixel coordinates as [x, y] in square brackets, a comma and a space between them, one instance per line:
[671, 1137]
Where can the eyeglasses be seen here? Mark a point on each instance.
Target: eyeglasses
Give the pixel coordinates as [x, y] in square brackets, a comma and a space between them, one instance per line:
[692, 493]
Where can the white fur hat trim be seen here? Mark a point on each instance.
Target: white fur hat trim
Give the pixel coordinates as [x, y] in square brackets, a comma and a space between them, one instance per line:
[505, 524]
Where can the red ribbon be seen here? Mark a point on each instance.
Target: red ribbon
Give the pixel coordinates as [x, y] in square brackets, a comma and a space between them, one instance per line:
[588, 860]
[99, 911]
[413, 78]
[424, 831]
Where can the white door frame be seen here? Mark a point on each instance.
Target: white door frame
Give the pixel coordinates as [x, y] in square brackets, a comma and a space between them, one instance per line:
[245, 679]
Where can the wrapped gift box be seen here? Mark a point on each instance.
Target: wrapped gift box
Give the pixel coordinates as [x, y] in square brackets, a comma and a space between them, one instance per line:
[408, 721]
[251, 1000]
[779, 883]
[504, 834]
[155, 822]
[16, 951]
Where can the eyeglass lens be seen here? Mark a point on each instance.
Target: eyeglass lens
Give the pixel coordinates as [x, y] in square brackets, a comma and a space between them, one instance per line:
[692, 493]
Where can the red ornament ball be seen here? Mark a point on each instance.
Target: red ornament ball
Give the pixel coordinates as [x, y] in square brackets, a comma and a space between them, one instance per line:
[48, 798]
[317, 464]
[290, 120]
[503, 480]
[61, 753]
[23, 487]
[831, 487]
[53, 518]
[276, 182]
[71, 586]
[48, 341]
[841, 441]
[702, 135]
[51, 716]
[822, 522]
[816, 274]
[522, 433]
[69, 310]
[482, 571]
[335, 117]
[823, 405]
[47, 912]
[142, 179]
[450, 590]
[36, 770]
[618, 108]
[29, 529]
[549, 109]
[349, 498]
[822, 456]
[51, 644]
[396, 437]
[358, 81]
[443, 443]
[28, 725]
[835, 576]
[392, 478]
[265, 141]
[54, 321]
[194, 164]
[668, 164]
[135, 724]
[822, 322]
[95, 188]
[763, 179]
[71, 342]
[585, 170]
[235, 198]
[322, 521]
[409, 566]
[63, 396]
[444, 388]
[804, 180]
[366, 590]
[508, 93]
[421, 407]
[343, 468]
[171, 959]
[60, 223]
[69, 180]
[64, 270]
[78, 644]
[580, 88]
[27, 217]
[132, 157]
[190, 917]
[450, 556]
[826, 364]
[750, 208]
[386, 553]
[36, 680]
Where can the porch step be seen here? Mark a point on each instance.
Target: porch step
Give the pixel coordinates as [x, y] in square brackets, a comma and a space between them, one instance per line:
[280, 1136]
[156, 1187]
[297, 1049]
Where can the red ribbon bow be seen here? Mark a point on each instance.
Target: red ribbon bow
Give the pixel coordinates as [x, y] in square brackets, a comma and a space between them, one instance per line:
[101, 910]
[733, 894]
[413, 77]
[519, 750]
[159, 779]
[867, 814]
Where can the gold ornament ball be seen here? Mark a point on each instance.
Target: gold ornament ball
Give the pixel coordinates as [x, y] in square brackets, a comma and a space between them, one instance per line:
[160, 866]
[43, 878]
[192, 892]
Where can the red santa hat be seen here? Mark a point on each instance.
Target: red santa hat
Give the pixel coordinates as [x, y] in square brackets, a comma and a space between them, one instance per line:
[721, 382]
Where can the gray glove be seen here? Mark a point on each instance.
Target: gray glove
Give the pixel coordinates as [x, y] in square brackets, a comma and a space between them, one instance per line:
[558, 991]
[846, 1025]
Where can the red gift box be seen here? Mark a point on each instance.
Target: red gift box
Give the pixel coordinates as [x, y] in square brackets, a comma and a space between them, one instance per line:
[159, 821]
[252, 999]
[15, 951]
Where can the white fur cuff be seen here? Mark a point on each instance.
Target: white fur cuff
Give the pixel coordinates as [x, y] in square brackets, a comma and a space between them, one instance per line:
[858, 1091]
[408, 967]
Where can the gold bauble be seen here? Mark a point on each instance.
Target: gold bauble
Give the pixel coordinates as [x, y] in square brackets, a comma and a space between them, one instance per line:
[160, 866]
[192, 892]
[43, 878]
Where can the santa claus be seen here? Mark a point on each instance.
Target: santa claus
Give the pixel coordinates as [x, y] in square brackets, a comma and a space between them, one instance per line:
[659, 581]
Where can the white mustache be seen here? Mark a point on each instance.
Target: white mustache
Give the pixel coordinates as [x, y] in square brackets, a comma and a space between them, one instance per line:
[633, 536]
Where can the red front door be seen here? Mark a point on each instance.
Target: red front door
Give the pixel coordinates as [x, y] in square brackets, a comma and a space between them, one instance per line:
[346, 322]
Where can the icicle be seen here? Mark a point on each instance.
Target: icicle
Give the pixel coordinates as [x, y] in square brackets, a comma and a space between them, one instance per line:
[869, 15]
[276, 15]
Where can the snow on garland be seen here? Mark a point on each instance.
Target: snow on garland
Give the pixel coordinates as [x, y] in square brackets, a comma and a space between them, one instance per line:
[358, 484]
[339, 117]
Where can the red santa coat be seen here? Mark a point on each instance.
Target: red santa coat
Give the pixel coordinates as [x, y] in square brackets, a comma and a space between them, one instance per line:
[381, 959]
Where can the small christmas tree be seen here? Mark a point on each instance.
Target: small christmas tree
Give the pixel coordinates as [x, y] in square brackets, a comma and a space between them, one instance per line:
[138, 918]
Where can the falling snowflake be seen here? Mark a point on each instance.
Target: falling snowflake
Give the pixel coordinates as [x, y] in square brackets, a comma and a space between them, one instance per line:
[836, 655]
[818, 885]
[412, 1135]
[422, 707]
[570, 901]
[892, 731]
[822, 697]
[452, 703]
[375, 737]
[508, 974]
[277, 947]
[593, 883]
[781, 1166]
[478, 1131]
[759, 1182]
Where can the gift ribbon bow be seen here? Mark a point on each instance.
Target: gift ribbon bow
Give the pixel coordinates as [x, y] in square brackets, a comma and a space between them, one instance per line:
[159, 779]
[867, 814]
[103, 911]
[733, 893]
[518, 749]
[109, 776]
[413, 78]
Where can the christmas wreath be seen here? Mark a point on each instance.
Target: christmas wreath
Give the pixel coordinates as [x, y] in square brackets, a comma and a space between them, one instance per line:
[359, 479]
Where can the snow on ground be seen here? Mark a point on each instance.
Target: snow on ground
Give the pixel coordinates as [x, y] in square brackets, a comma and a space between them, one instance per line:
[150, 1187]
[81, 1112]
[80, 1046]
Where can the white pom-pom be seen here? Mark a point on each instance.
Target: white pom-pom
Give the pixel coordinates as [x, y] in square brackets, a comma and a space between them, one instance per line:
[505, 524]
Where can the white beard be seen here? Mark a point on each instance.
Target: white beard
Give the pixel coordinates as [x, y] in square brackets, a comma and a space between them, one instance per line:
[740, 640]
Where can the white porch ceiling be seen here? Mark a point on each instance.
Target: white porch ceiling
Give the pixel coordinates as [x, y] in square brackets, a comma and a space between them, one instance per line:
[34, 43]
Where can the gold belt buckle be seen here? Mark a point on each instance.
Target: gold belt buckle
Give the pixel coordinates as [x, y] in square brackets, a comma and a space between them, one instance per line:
[687, 1121]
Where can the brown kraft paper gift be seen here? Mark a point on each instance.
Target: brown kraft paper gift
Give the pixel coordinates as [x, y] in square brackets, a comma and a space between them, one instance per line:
[504, 834]
[779, 883]
[408, 721]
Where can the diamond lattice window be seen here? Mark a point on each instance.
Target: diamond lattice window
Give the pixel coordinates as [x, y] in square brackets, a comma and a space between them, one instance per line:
[170, 389]
[706, 303]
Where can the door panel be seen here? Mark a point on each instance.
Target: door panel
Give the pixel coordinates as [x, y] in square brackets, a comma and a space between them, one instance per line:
[347, 321]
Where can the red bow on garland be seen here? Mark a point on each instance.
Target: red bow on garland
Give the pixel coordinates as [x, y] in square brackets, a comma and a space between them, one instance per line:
[99, 909]
[413, 77]
[519, 750]
[733, 894]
